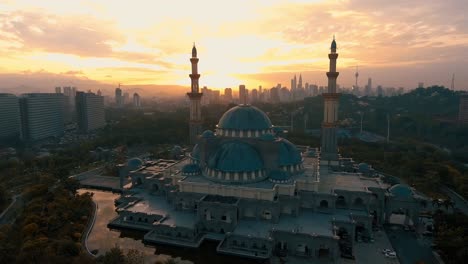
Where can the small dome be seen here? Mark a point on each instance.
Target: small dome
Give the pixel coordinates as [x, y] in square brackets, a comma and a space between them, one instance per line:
[191, 169]
[311, 153]
[195, 152]
[268, 137]
[279, 176]
[245, 117]
[208, 134]
[289, 154]
[333, 44]
[194, 51]
[134, 164]
[363, 167]
[235, 156]
[401, 190]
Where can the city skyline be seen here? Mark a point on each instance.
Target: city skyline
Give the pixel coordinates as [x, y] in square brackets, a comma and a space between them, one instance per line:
[258, 43]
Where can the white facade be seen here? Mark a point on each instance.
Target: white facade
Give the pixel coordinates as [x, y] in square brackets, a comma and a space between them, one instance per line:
[41, 115]
[90, 111]
[9, 116]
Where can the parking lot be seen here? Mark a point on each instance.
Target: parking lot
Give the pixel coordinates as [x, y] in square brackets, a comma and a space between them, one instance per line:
[410, 248]
[371, 253]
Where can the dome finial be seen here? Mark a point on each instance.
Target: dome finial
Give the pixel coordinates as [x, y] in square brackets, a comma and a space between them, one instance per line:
[333, 44]
[194, 51]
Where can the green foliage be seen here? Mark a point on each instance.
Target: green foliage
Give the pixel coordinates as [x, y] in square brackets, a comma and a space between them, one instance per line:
[451, 236]
[116, 255]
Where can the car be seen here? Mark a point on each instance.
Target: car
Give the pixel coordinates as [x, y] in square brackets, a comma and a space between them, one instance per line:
[427, 233]
[385, 251]
[390, 255]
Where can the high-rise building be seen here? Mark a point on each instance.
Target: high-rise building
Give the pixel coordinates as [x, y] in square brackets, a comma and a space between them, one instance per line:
[254, 95]
[67, 91]
[118, 97]
[242, 94]
[41, 116]
[126, 98]
[369, 87]
[228, 95]
[329, 149]
[379, 91]
[420, 85]
[99, 93]
[10, 128]
[58, 89]
[195, 99]
[136, 100]
[275, 95]
[463, 109]
[90, 112]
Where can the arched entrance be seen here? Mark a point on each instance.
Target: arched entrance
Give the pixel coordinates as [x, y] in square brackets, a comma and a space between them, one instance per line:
[340, 202]
[324, 204]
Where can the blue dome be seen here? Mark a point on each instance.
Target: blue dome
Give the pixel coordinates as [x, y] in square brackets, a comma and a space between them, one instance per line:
[236, 156]
[363, 167]
[268, 137]
[208, 134]
[279, 175]
[195, 152]
[289, 154]
[134, 164]
[401, 190]
[245, 117]
[191, 169]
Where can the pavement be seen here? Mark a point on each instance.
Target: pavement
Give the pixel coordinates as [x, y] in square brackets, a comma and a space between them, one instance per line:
[370, 253]
[410, 247]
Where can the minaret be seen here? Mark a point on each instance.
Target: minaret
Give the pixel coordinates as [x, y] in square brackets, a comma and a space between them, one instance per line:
[329, 149]
[195, 99]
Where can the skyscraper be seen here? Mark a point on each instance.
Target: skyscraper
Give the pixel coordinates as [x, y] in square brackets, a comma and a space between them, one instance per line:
[369, 87]
[118, 97]
[58, 89]
[9, 117]
[254, 95]
[329, 149]
[463, 109]
[90, 112]
[195, 98]
[228, 95]
[242, 94]
[41, 116]
[136, 100]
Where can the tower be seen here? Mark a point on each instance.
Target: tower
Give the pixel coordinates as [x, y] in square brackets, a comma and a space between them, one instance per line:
[356, 87]
[300, 81]
[195, 99]
[452, 86]
[329, 149]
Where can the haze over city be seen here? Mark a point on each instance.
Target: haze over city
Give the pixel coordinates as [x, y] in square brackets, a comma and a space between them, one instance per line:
[96, 44]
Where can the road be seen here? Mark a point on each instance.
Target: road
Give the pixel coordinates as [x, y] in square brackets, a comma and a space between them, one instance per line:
[409, 247]
[459, 201]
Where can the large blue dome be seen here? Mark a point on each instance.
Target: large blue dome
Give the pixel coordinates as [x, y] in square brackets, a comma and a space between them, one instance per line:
[401, 191]
[245, 117]
[235, 156]
[134, 164]
[288, 154]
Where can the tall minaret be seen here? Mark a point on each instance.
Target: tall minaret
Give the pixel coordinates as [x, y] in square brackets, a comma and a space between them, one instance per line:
[329, 149]
[195, 99]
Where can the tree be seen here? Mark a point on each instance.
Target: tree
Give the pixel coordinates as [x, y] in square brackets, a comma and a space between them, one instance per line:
[114, 255]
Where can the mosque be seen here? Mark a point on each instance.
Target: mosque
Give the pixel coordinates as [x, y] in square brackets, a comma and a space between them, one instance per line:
[258, 194]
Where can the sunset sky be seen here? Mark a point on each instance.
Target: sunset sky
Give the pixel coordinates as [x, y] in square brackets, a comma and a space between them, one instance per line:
[264, 42]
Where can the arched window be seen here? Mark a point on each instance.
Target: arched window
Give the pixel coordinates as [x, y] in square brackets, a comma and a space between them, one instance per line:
[340, 201]
[358, 202]
[324, 204]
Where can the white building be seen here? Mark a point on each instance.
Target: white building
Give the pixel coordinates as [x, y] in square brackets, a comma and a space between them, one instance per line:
[41, 115]
[90, 111]
[9, 117]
